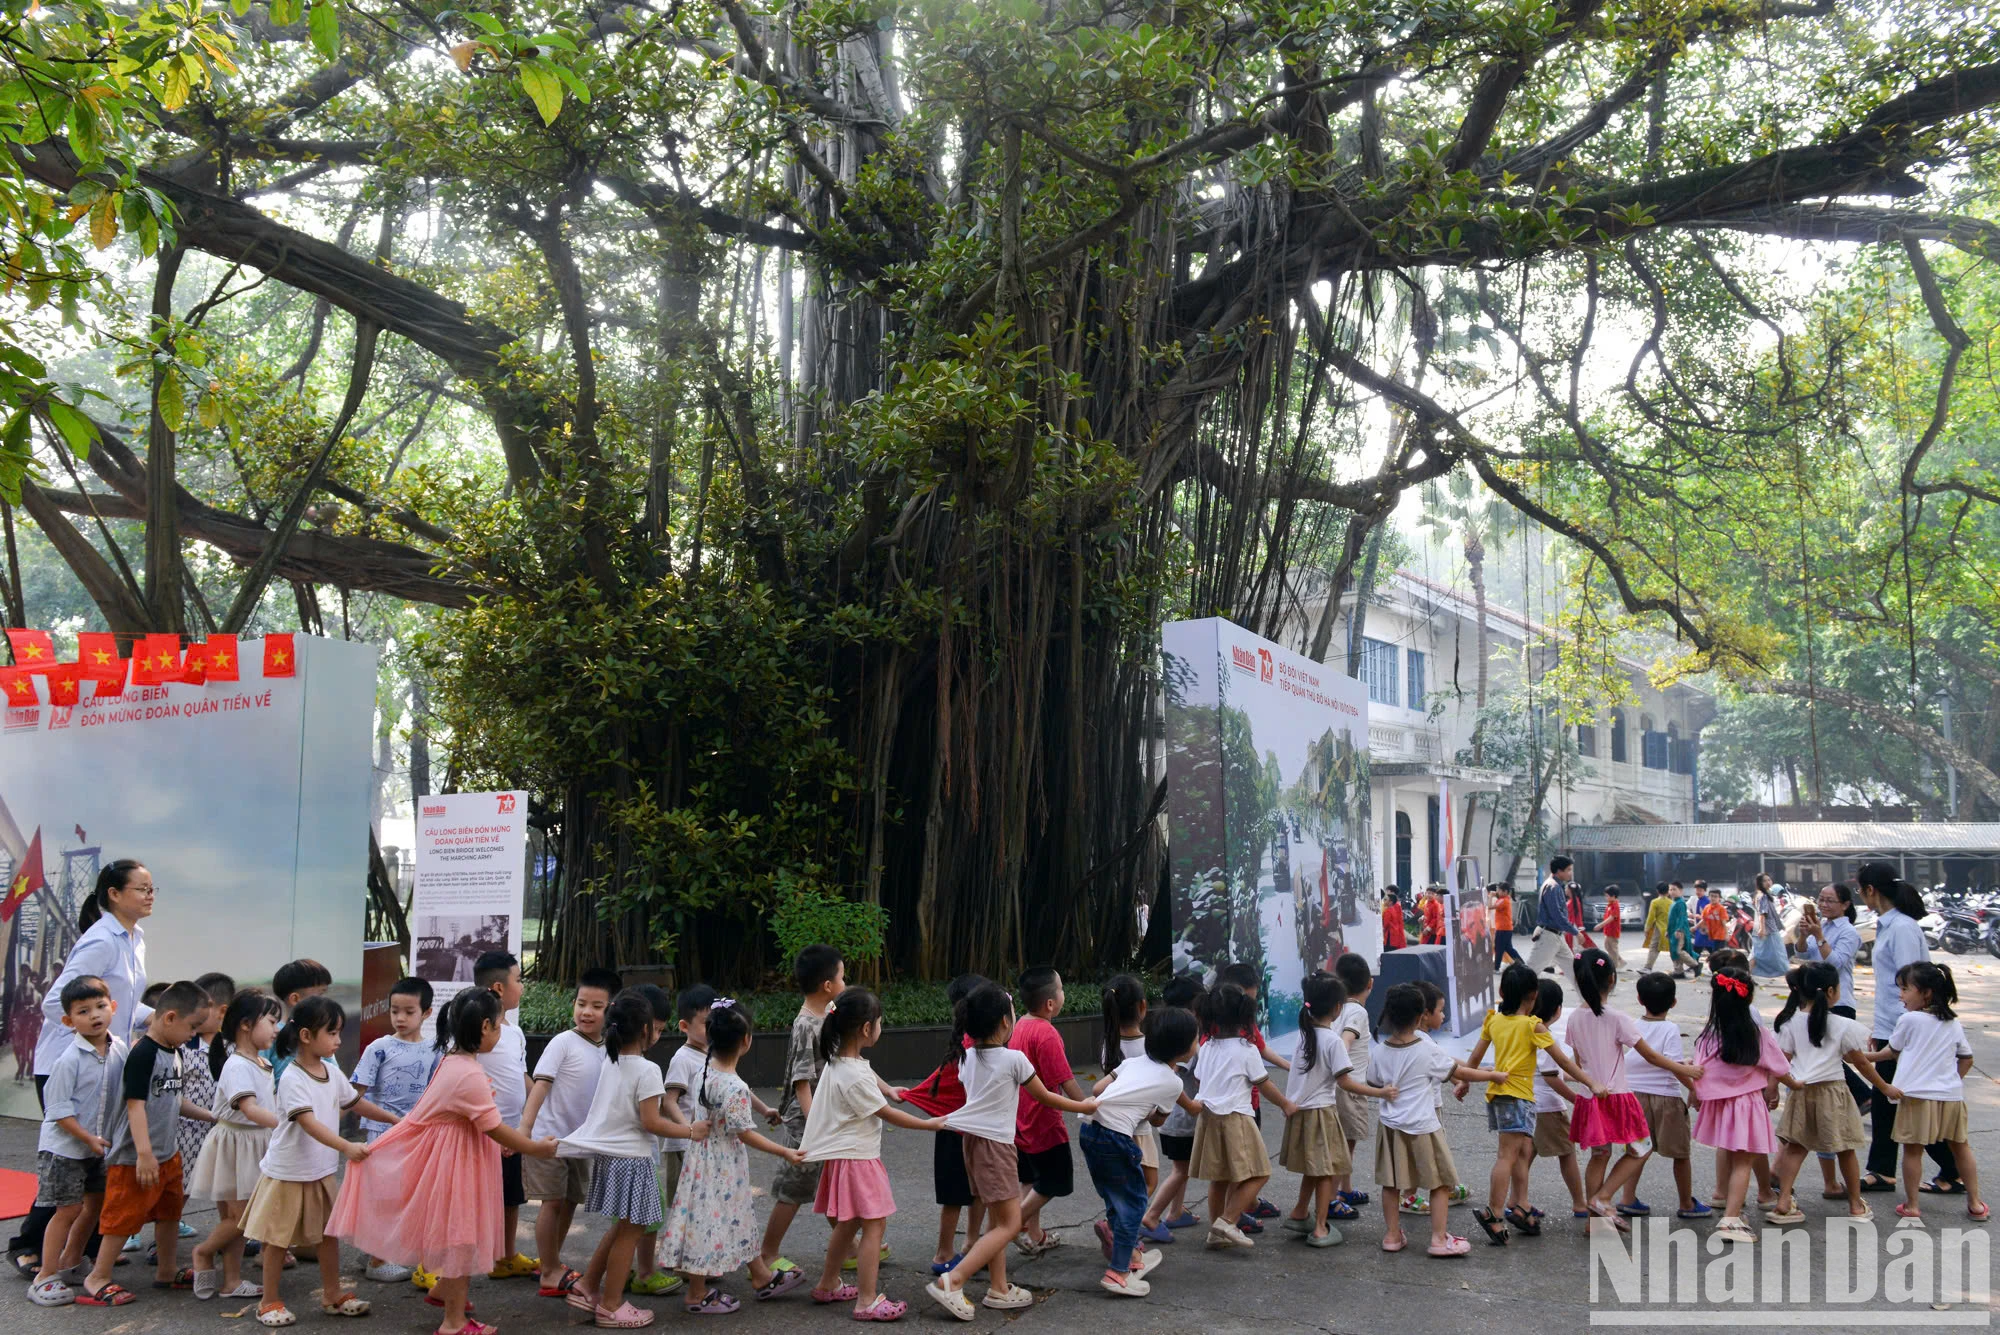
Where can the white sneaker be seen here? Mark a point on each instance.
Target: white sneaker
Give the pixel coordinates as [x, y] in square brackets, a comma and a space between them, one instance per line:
[386, 1273]
[1131, 1286]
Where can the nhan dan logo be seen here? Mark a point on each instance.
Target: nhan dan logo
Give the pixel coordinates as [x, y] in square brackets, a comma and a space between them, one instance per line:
[1242, 659]
[1847, 1274]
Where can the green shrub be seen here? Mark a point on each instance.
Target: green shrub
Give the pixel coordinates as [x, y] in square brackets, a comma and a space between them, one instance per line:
[808, 915]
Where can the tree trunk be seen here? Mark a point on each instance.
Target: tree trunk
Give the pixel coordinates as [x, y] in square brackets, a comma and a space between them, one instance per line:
[164, 606]
[420, 740]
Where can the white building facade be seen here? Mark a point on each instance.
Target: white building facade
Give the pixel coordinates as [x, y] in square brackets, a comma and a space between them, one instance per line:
[1419, 662]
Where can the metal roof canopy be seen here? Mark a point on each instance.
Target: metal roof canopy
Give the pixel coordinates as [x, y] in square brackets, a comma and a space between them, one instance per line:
[1833, 838]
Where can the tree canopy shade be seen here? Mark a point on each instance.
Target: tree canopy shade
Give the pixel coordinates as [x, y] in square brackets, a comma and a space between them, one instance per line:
[963, 343]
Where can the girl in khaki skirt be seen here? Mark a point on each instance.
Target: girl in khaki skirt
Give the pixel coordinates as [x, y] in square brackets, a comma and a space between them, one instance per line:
[1228, 1149]
[1820, 1115]
[1932, 1058]
[1315, 1145]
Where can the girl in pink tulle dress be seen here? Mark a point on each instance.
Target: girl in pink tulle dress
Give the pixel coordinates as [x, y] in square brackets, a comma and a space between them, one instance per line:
[1741, 1065]
[1610, 1117]
[429, 1192]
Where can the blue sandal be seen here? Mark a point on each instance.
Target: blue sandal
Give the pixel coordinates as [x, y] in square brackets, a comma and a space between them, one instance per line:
[1341, 1210]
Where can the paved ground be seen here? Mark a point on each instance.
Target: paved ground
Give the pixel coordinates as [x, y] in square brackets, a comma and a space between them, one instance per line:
[1277, 1289]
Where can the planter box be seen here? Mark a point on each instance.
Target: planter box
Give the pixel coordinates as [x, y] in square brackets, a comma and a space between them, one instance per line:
[902, 1055]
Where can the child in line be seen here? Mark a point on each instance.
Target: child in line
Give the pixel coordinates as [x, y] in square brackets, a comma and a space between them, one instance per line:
[506, 1065]
[391, 1074]
[1610, 1117]
[1663, 1098]
[1553, 1097]
[1315, 1144]
[288, 1211]
[143, 1178]
[1728, 957]
[646, 1276]
[295, 981]
[1168, 1211]
[1932, 1058]
[1515, 1036]
[1251, 980]
[994, 1075]
[69, 1157]
[628, 1109]
[197, 1079]
[228, 1170]
[682, 1078]
[1143, 1087]
[1125, 1036]
[428, 1193]
[938, 1096]
[1041, 1137]
[1820, 1115]
[1228, 1149]
[559, 1098]
[1414, 1201]
[1411, 1152]
[1357, 1115]
[844, 1136]
[820, 975]
[1742, 1064]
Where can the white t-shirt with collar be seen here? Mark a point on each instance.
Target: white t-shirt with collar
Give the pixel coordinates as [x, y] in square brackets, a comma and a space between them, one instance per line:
[1228, 1068]
[572, 1065]
[1142, 1088]
[292, 1155]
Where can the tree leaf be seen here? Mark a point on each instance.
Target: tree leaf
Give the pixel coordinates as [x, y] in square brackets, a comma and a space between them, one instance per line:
[104, 221]
[76, 430]
[324, 19]
[173, 406]
[544, 88]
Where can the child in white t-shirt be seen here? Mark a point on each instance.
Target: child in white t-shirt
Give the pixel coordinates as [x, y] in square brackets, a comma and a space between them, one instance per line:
[1315, 1144]
[1820, 1114]
[1663, 1098]
[1411, 1153]
[1932, 1058]
[506, 1065]
[1137, 1093]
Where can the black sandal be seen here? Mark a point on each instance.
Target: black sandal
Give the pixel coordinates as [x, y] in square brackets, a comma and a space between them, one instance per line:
[1496, 1232]
[1873, 1182]
[1937, 1186]
[26, 1266]
[1524, 1221]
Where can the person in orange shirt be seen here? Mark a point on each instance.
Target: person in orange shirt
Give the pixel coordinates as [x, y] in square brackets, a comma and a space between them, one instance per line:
[1715, 922]
[1433, 916]
[1500, 900]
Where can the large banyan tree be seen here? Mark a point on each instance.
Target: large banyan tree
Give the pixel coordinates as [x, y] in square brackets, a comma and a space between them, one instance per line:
[808, 414]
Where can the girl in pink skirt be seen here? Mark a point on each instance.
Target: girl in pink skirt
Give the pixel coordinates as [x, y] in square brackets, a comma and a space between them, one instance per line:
[1741, 1064]
[1610, 1116]
[844, 1133]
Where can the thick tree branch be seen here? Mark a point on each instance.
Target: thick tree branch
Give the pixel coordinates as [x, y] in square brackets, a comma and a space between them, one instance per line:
[1917, 735]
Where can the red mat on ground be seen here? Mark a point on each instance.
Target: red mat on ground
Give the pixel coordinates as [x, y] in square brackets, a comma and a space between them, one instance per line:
[17, 1193]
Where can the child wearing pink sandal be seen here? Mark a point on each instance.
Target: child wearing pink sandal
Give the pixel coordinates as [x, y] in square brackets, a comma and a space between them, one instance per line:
[844, 1136]
[1410, 1147]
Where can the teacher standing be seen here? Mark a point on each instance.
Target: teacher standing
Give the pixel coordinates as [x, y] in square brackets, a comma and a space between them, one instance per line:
[113, 948]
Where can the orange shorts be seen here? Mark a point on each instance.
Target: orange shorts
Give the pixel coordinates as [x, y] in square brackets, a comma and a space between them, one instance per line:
[129, 1207]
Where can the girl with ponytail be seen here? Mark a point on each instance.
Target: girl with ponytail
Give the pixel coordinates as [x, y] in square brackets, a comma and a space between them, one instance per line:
[428, 1194]
[1125, 1036]
[226, 1171]
[844, 1135]
[712, 1229]
[1740, 1066]
[1820, 1115]
[1932, 1058]
[1315, 1143]
[1609, 1116]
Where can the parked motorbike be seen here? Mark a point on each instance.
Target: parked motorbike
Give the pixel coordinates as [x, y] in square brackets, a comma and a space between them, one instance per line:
[1963, 931]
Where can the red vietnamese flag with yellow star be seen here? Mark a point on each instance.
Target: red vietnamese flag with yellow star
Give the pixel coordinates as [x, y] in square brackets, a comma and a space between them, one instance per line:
[19, 688]
[27, 879]
[33, 650]
[280, 656]
[157, 659]
[221, 655]
[194, 671]
[108, 678]
[96, 649]
[64, 684]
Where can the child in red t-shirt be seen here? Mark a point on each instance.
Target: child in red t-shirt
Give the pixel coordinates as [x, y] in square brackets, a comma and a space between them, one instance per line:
[942, 1093]
[1041, 1137]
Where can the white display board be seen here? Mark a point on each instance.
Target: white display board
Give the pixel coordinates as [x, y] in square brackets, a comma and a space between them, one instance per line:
[471, 886]
[1268, 810]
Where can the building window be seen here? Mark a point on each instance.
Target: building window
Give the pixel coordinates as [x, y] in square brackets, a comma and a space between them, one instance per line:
[1378, 671]
[1586, 739]
[1618, 752]
[1417, 693]
[1655, 748]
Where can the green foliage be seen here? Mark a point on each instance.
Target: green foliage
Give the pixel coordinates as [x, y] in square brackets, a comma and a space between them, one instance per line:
[545, 1006]
[806, 915]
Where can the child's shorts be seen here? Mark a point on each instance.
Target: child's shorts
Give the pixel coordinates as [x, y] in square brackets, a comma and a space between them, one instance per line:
[990, 1167]
[1552, 1136]
[1667, 1116]
[948, 1176]
[1178, 1149]
[60, 1181]
[129, 1207]
[557, 1179]
[1149, 1146]
[796, 1184]
[1508, 1114]
[512, 1194]
[1050, 1172]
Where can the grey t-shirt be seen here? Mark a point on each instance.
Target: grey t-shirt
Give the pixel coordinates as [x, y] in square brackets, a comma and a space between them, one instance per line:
[801, 1063]
[151, 1074]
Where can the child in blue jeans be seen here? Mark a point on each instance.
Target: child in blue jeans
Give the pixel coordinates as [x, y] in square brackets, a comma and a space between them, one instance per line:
[1140, 1091]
